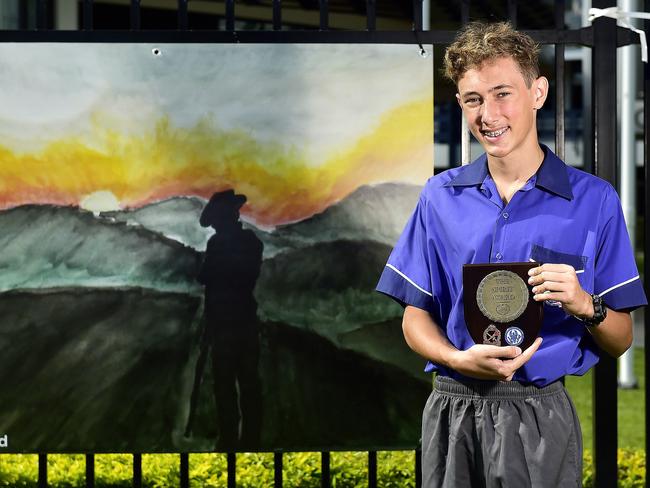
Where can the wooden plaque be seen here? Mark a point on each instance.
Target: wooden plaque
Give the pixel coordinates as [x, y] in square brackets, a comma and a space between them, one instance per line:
[499, 306]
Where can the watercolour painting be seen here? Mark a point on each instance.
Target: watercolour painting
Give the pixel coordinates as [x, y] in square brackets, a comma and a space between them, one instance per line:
[109, 155]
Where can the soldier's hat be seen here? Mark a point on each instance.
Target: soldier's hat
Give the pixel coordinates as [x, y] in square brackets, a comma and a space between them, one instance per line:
[222, 202]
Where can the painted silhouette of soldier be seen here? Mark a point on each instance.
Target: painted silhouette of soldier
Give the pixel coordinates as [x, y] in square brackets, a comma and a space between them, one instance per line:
[231, 330]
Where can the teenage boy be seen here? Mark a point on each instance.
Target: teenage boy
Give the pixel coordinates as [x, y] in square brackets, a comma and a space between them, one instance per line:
[500, 416]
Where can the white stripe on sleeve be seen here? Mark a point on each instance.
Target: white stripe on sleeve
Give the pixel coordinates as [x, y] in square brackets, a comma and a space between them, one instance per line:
[619, 285]
[408, 279]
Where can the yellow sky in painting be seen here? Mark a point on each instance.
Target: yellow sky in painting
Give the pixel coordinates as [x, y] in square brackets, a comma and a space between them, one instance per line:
[280, 183]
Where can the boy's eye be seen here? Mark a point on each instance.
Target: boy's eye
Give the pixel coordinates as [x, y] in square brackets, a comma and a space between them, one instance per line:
[472, 101]
[503, 94]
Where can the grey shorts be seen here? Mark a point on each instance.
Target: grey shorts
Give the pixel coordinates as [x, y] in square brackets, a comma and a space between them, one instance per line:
[500, 434]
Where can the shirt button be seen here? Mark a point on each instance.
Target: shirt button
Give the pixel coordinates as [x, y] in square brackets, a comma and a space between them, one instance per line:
[498, 256]
[505, 215]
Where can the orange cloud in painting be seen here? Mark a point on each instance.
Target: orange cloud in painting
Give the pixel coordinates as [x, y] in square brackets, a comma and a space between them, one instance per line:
[169, 161]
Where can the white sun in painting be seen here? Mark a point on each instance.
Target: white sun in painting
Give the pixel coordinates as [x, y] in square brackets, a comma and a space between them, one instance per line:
[100, 201]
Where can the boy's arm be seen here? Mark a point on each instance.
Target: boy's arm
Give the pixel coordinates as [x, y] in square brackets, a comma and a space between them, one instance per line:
[559, 282]
[614, 334]
[480, 361]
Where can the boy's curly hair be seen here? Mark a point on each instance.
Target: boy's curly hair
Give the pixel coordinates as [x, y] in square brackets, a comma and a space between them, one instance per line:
[479, 42]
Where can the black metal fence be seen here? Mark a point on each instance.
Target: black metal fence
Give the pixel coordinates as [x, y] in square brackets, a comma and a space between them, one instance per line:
[184, 469]
[603, 37]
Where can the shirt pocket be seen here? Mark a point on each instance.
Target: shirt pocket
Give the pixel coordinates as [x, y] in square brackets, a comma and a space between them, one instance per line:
[544, 255]
[580, 263]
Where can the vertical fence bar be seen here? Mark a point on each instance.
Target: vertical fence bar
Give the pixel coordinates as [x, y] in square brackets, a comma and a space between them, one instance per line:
[232, 469]
[325, 481]
[512, 12]
[185, 470]
[230, 15]
[135, 14]
[324, 14]
[182, 15]
[371, 14]
[277, 15]
[417, 14]
[464, 11]
[559, 83]
[646, 236]
[460, 129]
[277, 469]
[604, 112]
[604, 87]
[455, 135]
[137, 470]
[90, 471]
[41, 14]
[372, 469]
[87, 14]
[23, 15]
[418, 468]
[42, 471]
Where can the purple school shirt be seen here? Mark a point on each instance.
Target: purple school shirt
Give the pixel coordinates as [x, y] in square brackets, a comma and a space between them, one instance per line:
[561, 215]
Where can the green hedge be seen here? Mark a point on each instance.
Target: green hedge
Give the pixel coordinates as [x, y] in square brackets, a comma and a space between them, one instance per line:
[395, 469]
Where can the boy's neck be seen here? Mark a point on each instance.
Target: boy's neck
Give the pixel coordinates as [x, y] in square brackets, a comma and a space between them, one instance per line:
[512, 172]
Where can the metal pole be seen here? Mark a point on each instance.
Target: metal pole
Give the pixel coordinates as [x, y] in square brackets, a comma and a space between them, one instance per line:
[426, 15]
[465, 148]
[465, 137]
[587, 115]
[627, 74]
[605, 420]
[646, 234]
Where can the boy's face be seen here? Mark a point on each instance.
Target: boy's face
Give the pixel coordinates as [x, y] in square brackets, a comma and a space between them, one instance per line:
[500, 109]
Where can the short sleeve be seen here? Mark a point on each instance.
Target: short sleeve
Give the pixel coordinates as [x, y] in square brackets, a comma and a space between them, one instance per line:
[616, 277]
[406, 277]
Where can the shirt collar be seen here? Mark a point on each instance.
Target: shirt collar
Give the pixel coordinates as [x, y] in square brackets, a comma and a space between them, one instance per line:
[552, 174]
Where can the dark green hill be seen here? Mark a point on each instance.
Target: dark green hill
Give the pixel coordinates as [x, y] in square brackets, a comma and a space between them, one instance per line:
[49, 246]
[328, 287]
[325, 266]
[111, 371]
[93, 369]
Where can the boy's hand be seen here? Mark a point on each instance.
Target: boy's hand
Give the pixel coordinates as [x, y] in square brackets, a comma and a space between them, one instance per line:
[559, 282]
[487, 362]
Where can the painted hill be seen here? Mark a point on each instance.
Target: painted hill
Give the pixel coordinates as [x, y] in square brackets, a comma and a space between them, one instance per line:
[48, 246]
[377, 212]
[95, 370]
[371, 213]
[327, 287]
[175, 218]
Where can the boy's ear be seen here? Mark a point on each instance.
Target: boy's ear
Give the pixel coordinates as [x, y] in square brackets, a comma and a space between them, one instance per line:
[540, 86]
[458, 100]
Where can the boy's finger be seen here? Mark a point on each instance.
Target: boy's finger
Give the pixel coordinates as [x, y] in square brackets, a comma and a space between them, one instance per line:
[519, 361]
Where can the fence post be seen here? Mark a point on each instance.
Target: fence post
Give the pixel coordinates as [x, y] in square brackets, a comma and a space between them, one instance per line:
[372, 469]
[232, 469]
[184, 469]
[646, 234]
[605, 426]
[42, 471]
[137, 470]
[90, 471]
[325, 481]
[277, 469]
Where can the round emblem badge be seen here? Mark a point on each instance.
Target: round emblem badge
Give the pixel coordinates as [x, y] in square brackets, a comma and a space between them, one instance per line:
[502, 296]
[514, 336]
